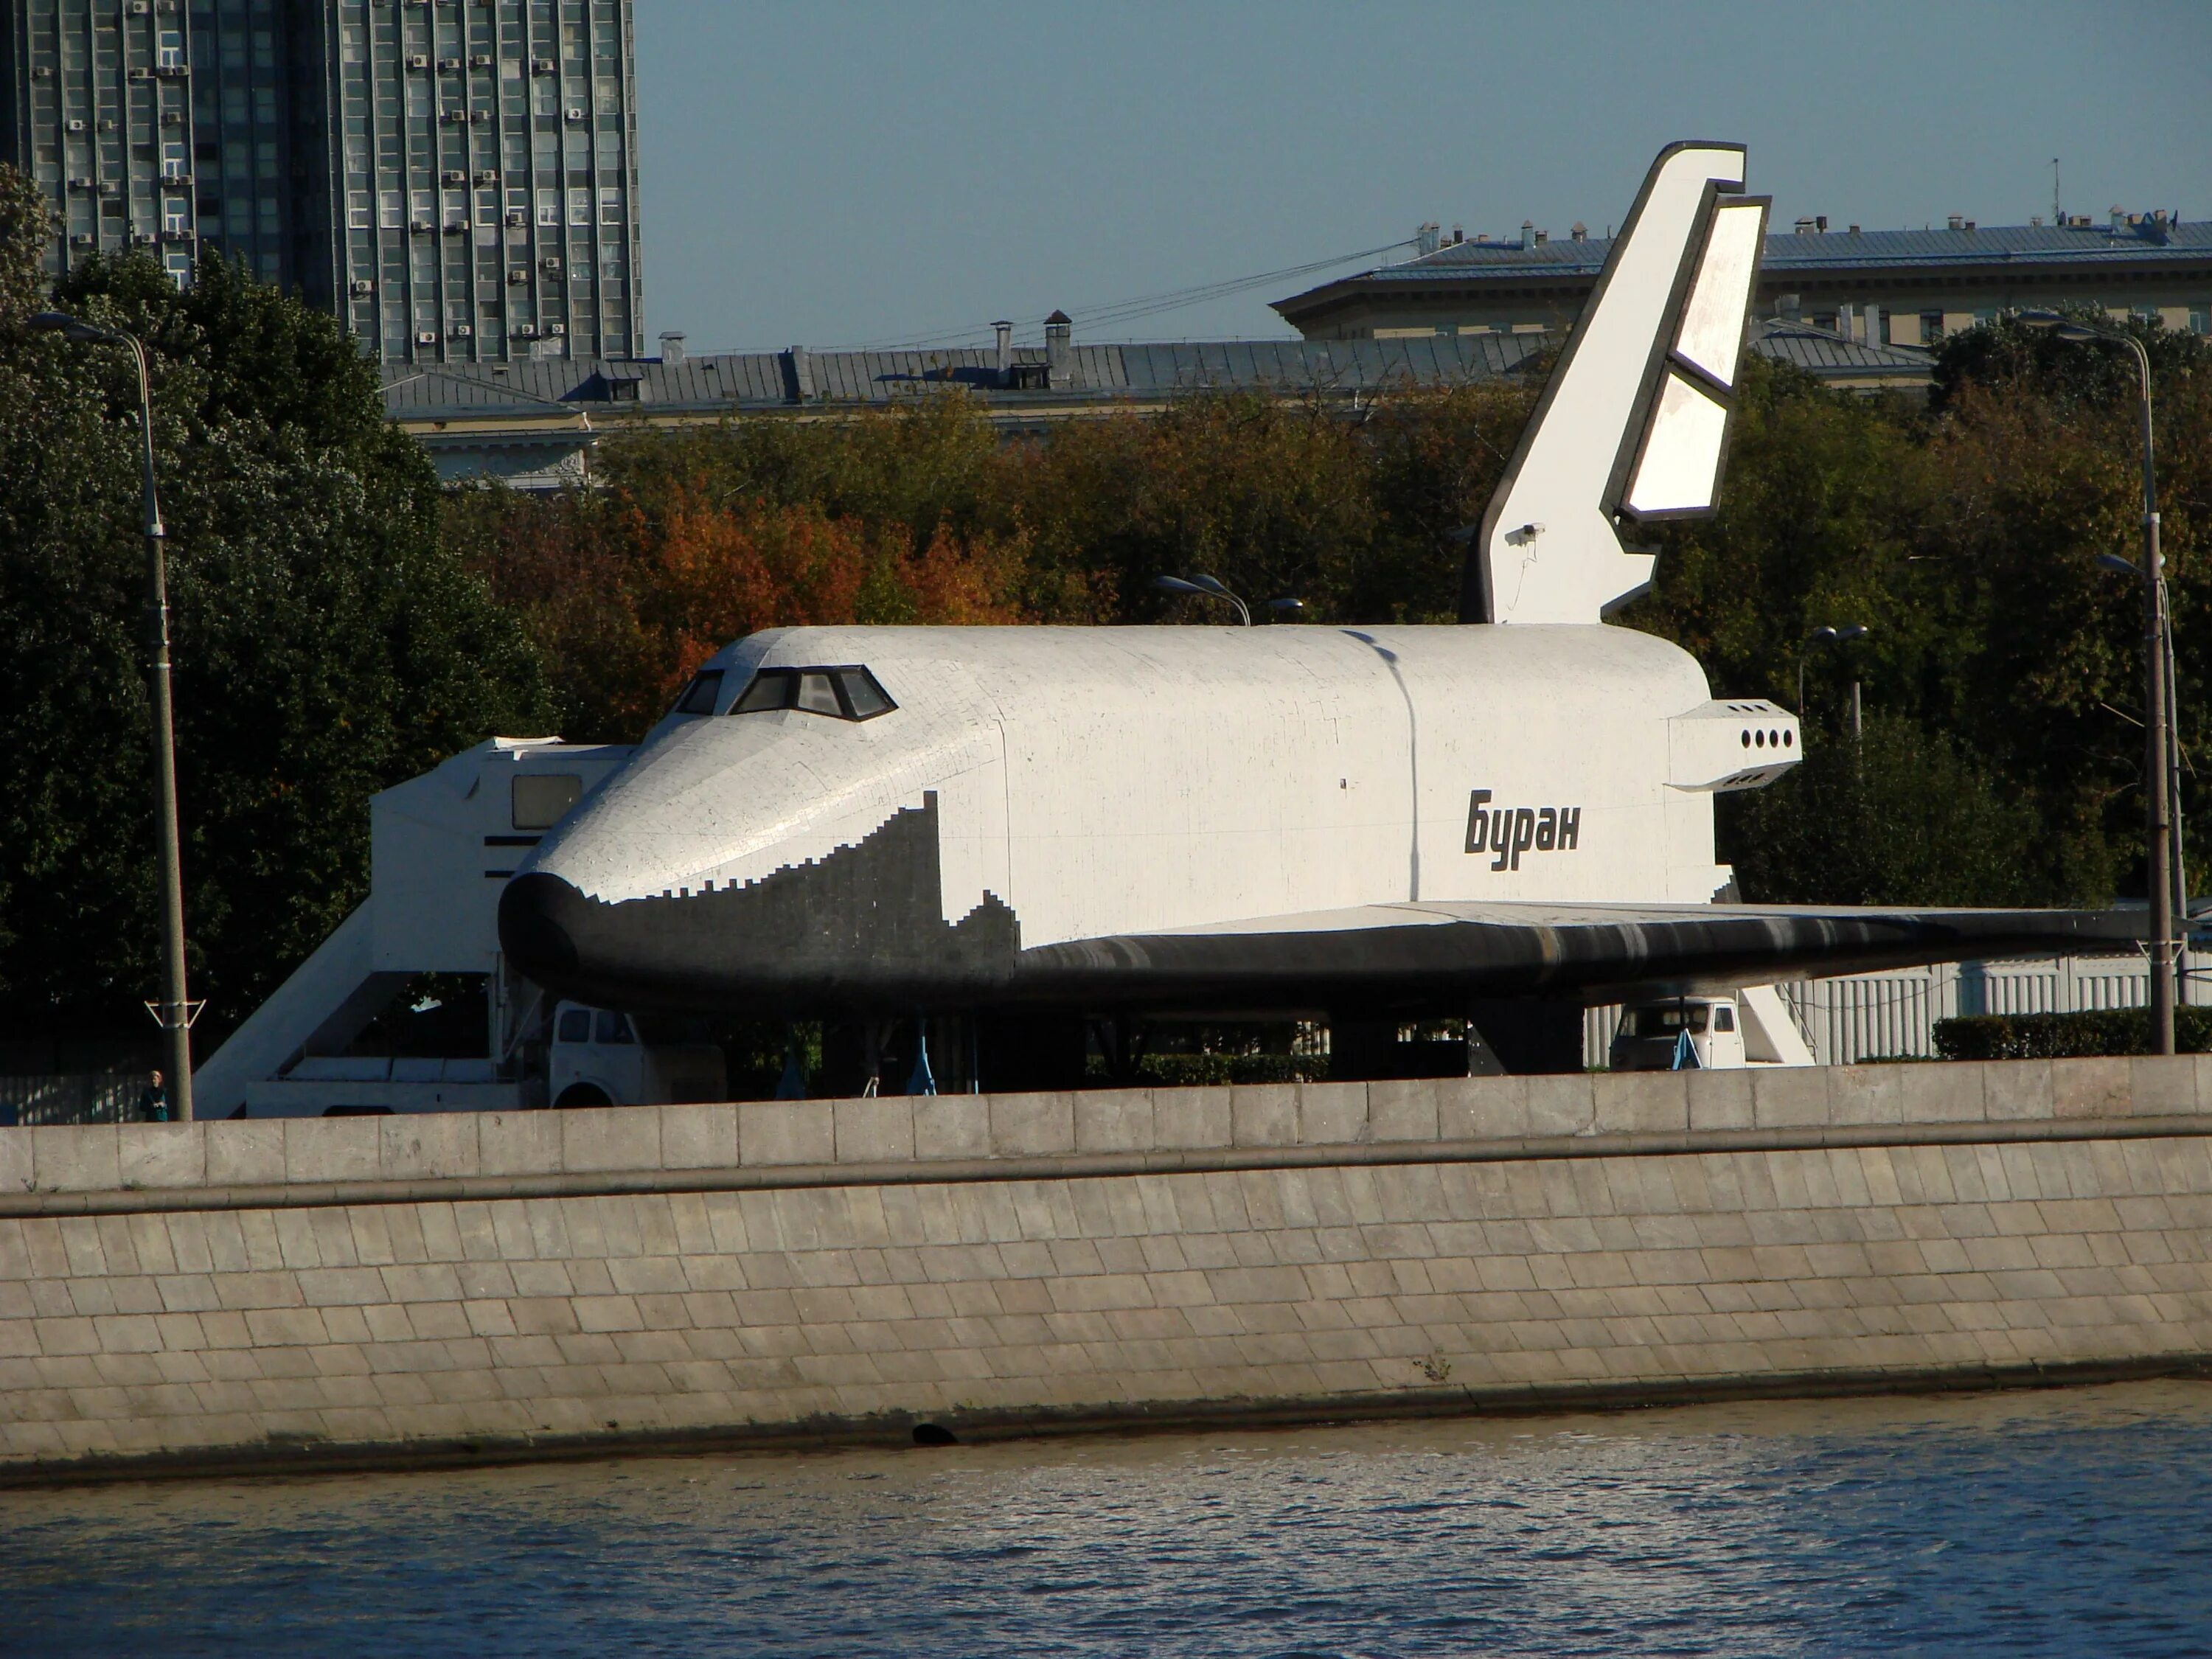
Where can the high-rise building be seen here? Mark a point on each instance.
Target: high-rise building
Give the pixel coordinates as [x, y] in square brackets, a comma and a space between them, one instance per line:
[456, 178]
[95, 106]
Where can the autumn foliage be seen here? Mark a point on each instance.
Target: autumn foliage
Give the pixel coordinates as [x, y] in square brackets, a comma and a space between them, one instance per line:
[626, 595]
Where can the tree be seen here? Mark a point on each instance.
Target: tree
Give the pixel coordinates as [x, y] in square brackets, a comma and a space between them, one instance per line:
[326, 646]
[1904, 816]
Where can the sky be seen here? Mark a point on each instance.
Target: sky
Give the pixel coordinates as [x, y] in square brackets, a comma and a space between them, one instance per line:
[843, 173]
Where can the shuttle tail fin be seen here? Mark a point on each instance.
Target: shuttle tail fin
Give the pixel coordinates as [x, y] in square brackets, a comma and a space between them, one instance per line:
[1634, 424]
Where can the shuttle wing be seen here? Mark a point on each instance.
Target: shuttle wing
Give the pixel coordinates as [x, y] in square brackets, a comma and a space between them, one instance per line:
[1634, 424]
[1587, 952]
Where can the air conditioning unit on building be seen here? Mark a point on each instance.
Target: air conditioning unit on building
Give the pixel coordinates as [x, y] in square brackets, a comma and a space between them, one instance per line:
[456, 227]
[80, 183]
[449, 66]
[523, 331]
[575, 113]
[518, 278]
[44, 72]
[110, 187]
[83, 238]
[141, 239]
[418, 60]
[454, 118]
[518, 218]
[177, 234]
[426, 337]
[360, 286]
[479, 116]
[172, 117]
[464, 331]
[554, 330]
[479, 60]
[421, 227]
[140, 8]
[454, 176]
[543, 66]
[77, 124]
[139, 74]
[551, 262]
[487, 176]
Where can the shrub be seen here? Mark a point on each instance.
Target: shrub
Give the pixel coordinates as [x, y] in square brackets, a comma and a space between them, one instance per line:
[2067, 1036]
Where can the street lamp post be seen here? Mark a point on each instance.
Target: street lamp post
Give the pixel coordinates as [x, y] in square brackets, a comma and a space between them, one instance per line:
[1832, 636]
[173, 1010]
[2158, 722]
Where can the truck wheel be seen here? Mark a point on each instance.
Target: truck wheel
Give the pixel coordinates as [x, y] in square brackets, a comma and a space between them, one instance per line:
[582, 1093]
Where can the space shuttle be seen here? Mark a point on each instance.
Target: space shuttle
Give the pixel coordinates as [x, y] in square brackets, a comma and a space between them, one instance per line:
[1510, 818]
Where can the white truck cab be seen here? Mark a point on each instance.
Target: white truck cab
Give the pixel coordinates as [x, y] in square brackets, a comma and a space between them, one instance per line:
[1753, 1027]
[1678, 1034]
[604, 1057]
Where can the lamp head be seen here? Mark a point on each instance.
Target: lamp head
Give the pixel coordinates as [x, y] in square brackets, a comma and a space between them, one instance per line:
[2114, 562]
[1175, 585]
[1856, 631]
[60, 322]
[1286, 607]
[1824, 635]
[1208, 585]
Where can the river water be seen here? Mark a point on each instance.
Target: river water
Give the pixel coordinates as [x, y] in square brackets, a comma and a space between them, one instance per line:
[2074, 1521]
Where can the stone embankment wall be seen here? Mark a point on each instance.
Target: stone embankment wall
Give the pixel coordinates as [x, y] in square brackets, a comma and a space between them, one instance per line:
[247, 1293]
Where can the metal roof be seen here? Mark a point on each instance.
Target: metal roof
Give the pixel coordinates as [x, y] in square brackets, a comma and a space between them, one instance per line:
[732, 381]
[1987, 246]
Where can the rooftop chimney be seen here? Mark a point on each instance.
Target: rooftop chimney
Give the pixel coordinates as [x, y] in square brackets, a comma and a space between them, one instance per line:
[1059, 351]
[1579, 232]
[1425, 239]
[797, 374]
[1820, 223]
[2119, 214]
[1804, 226]
[1528, 232]
[1956, 222]
[672, 348]
[1004, 330]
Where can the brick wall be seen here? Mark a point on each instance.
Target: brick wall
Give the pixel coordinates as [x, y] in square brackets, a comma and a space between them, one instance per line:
[261, 1292]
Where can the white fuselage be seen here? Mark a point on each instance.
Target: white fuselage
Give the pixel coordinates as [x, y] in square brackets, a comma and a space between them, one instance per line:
[1114, 781]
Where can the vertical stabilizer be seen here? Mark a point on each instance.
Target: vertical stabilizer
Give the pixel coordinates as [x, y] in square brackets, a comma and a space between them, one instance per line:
[1635, 423]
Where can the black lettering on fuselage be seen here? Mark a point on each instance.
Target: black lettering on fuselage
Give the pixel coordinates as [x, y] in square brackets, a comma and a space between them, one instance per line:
[1508, 832]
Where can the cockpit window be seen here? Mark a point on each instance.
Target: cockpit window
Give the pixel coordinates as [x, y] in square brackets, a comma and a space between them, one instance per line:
[848, 694]
[699, 696]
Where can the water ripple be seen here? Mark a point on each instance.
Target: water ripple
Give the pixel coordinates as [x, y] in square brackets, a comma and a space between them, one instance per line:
[2052, 1524]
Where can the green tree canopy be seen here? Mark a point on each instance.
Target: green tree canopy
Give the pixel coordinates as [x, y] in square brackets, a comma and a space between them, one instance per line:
[326, 645]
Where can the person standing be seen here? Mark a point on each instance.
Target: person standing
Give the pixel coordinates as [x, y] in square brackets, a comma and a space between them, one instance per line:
[153, 1100]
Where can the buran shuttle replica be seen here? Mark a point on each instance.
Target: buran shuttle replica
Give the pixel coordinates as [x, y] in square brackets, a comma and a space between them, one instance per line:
[1506, 819]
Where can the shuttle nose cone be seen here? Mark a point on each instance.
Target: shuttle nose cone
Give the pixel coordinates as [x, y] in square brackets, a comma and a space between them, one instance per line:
[540, 917]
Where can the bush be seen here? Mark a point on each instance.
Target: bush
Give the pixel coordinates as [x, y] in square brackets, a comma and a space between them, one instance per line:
[2067, 1036]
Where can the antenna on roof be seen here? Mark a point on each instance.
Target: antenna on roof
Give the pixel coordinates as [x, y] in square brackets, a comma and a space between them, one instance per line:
[2057, 215]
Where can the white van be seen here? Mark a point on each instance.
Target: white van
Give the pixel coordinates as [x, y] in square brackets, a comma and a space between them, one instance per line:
[1753, 1027]
[1679, 1034]
[604, 1057]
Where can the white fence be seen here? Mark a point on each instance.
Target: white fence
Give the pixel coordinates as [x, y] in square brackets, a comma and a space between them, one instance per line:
[1881, 1016]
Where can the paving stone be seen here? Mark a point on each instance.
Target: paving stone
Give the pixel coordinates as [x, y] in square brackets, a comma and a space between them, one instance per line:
[75, 1158]
[952, 1126]
[1115, 1121]
[1032, 1124]
[787, 1131]
[427, 1145]
[877, 1131]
